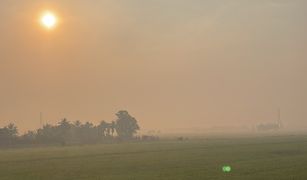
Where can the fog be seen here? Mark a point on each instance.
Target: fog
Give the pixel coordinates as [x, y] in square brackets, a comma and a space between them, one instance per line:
[175, 65]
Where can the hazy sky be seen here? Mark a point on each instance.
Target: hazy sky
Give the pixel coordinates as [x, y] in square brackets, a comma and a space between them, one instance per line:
[170, 63]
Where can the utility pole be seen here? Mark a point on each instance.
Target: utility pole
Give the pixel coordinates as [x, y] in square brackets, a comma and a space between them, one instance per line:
[279, 118]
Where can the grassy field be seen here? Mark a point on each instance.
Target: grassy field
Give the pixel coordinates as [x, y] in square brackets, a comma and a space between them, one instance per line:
[263, 158]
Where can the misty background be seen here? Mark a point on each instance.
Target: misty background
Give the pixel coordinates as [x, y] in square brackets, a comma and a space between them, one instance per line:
[172, 64]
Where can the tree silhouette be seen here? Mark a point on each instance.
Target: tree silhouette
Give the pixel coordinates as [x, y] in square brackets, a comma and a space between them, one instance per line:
[12, 130]
[126, 125]
[28, 137]
[112, 127]
[8, 134]
[64, 132]
[102, 128]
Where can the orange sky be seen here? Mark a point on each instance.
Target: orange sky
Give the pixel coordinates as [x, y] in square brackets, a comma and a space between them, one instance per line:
[171, 64]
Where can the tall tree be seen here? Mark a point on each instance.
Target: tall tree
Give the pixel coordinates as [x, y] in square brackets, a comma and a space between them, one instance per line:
[126, 125]
[8, 134]
[64, 130]
[12, 130]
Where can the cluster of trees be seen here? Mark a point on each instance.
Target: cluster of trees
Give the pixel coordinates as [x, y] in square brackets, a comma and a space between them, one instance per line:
[8, 134]
[123, 128]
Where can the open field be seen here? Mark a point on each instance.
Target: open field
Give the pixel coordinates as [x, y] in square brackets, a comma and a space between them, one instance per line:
[280, 158]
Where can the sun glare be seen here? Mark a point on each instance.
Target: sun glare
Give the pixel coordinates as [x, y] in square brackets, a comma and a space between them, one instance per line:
[48, 20]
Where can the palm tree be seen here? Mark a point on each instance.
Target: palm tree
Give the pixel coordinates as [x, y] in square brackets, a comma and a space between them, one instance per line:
[8, 134]
[64, 131]
[12, 130]
[77, 123]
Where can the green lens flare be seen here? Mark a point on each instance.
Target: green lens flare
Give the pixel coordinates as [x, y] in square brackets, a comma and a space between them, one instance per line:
[226, 169]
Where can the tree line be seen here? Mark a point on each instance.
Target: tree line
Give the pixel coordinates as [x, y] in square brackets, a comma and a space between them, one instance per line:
[123, 128]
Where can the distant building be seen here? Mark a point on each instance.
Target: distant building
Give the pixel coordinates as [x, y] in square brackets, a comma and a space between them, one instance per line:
[271, 126]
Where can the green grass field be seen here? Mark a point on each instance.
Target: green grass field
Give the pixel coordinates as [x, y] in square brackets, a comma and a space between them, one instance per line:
[263, 158]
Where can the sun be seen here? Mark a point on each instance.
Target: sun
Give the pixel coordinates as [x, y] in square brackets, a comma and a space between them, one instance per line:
[49, 20]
